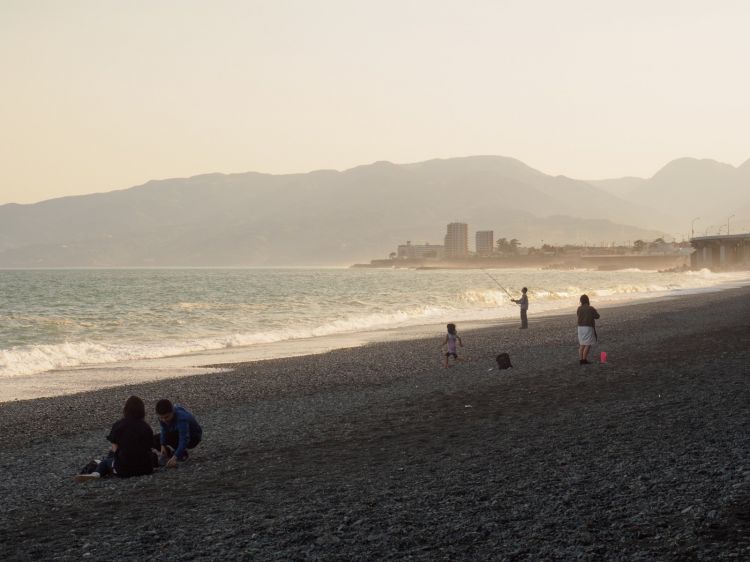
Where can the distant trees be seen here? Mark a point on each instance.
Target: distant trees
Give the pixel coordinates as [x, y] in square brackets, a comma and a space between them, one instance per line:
[505, 246]
[639, 246]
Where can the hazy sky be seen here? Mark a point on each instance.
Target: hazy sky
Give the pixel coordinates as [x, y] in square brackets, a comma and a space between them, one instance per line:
[100, 95]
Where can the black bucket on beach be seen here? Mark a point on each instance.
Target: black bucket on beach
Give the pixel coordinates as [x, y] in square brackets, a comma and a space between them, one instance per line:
[503, 361]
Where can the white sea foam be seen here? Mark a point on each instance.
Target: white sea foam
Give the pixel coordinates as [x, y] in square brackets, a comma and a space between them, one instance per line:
[25, 360]
[392, 300]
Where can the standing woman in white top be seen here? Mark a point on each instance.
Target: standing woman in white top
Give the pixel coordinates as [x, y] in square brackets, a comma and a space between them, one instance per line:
[587, 316]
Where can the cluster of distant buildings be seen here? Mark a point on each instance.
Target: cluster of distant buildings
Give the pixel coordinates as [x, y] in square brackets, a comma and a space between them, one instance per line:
[714, 252]
[455, 245]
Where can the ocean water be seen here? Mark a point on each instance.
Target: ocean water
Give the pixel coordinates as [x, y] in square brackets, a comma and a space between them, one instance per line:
[65, 319]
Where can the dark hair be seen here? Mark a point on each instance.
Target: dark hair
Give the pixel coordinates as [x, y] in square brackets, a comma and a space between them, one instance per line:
[452, 329]
[164, 406]
[585, 299]
[134, 408]
[524, 290]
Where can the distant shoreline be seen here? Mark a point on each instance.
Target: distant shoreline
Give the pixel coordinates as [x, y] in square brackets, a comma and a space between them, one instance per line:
[552, 262]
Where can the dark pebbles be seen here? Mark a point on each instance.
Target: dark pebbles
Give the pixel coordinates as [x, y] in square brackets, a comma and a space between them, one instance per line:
[379, 453]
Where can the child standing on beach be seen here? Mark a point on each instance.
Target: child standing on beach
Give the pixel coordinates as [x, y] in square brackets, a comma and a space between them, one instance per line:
[450, 340]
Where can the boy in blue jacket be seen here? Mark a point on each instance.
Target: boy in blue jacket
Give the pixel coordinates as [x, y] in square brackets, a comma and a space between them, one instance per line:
[180, 431]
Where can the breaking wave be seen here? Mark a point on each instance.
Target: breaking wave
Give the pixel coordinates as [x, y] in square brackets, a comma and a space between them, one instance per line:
[40, 340]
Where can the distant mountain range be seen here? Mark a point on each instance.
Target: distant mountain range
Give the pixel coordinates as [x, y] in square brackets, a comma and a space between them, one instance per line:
[332, 217]
[688, 188]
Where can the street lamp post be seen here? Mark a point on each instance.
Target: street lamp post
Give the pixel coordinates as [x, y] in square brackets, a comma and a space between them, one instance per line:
[692, 225]
[730, 218]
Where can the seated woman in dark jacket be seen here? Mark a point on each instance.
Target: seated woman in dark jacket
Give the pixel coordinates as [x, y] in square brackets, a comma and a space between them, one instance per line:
[131, 438]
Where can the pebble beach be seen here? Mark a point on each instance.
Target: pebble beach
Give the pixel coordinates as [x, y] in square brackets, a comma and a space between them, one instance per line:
[378, 452]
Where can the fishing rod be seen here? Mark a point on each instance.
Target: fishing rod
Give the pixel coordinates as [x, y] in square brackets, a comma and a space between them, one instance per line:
[498, 284]
[506, 290]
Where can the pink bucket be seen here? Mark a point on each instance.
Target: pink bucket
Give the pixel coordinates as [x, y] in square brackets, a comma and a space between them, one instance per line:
[603, 357]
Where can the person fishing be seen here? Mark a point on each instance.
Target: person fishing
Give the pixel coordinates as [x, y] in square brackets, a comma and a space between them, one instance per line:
[523, 302]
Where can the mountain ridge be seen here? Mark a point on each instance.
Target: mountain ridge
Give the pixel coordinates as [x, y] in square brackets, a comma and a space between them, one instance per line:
[322, 216]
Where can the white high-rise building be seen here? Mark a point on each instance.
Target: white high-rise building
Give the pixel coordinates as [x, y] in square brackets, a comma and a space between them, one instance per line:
[485, 243]
[457, 240]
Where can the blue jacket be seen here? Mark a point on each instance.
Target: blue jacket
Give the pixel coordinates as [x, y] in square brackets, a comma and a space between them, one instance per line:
[187, 428]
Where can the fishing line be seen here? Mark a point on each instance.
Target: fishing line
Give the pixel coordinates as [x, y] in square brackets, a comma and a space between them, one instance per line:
[498, 283]
[506, 290]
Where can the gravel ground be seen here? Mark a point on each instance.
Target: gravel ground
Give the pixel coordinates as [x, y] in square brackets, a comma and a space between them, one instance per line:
[379, 453]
